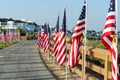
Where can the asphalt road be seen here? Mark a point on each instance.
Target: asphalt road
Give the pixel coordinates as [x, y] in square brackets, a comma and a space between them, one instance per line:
[22, 62]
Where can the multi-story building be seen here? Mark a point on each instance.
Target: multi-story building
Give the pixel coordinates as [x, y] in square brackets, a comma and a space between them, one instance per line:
[11, 24]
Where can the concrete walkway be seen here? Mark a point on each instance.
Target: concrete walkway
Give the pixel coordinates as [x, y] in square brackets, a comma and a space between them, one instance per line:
[22, 62]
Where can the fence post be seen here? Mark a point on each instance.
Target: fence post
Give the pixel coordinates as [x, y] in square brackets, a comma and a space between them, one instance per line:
[106, 67]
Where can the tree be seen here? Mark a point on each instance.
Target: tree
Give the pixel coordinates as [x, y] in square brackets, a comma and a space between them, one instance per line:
[118, 32]
[22, 31]
[88, 32]
[19, 28]
[93, 31]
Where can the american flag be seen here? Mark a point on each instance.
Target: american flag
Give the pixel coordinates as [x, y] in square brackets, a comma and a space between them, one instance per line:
[55, 39]
[44, 35]
[11, 35]
[61, 58]
[15, 35]
[76, 40]
[18, 33]
[47, 40]
[109, 37]
[39, 38]
[0, 35]
[7, 34]
[4, 37]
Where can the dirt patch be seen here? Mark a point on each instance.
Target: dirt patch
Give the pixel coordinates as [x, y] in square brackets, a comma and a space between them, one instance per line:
[58, 71]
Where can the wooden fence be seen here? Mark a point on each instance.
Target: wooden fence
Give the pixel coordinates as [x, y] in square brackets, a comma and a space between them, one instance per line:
[96, 54]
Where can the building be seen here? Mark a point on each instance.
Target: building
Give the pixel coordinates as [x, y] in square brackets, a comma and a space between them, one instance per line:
[11, 24]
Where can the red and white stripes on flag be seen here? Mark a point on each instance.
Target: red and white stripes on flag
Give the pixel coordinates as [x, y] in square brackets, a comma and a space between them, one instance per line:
[4, 37]
[16, 35]
[46, 40]
[109, 38]
[39, 39]
[0, 35]
[55, 39]
[11, 35]
[76, 40]
[61, 57]
[42, 37]
[7, 33]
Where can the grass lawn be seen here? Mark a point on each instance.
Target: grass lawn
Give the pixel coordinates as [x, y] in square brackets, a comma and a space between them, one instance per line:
[3, 45]
[98, 44]
[94, 43]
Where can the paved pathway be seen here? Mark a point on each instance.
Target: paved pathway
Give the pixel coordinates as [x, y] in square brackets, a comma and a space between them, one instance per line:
[22, 62]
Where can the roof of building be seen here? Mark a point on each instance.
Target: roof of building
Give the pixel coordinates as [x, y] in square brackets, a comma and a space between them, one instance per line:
[17, 21]
[6, 19]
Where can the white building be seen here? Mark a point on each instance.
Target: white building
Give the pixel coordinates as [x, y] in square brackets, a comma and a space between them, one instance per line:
[11, 24]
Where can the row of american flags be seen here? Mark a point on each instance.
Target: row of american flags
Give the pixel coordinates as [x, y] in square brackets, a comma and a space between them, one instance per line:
[7, 36]
[109, 39]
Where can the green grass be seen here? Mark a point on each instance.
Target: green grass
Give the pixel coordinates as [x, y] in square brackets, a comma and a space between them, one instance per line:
[98, 44]
[3, 45]
[91, 43]
[95, 44]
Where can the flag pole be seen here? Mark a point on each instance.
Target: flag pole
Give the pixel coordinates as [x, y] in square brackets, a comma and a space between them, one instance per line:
[116, 11]
[66, 50]
[84, 54]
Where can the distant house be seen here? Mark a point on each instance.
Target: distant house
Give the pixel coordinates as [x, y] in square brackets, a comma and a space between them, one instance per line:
[37, 28]
[11, 24]
[7, 23]
[3, 22]
[30, 26]
[20, 24]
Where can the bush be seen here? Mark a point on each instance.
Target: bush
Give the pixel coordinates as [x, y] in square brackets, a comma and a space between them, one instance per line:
[22, 32]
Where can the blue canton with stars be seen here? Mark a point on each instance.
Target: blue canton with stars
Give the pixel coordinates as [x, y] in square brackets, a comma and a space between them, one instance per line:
[48, 29]
[57, 25]
[45, 28]
[64, 21]
[112, 6]
[82, 15]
